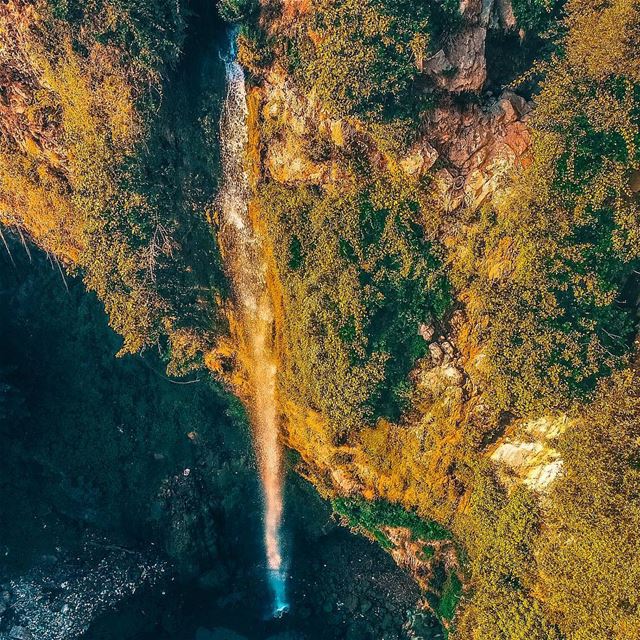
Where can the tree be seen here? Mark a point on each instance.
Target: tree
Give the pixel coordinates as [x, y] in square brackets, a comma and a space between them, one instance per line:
[359, 56]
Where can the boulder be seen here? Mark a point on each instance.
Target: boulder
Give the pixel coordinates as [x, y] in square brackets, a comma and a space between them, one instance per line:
[454, 375]
[447, 347]
[426, 331]
[420, 158]
[437, 355]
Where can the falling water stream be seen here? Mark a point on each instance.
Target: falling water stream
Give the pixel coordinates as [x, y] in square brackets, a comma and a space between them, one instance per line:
[253, 310]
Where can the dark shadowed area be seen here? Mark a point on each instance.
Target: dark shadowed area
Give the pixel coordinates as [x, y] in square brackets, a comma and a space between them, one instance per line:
[129, 504]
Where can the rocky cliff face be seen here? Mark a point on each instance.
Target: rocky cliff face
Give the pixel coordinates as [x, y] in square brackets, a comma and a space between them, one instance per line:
[466, 151]
[452, 264]
[474, 148]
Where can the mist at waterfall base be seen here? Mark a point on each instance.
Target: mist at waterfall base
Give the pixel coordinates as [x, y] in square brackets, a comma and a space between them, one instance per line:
[246, 268]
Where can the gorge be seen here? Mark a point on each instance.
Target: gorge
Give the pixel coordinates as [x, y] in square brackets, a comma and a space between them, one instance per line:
[370, 270]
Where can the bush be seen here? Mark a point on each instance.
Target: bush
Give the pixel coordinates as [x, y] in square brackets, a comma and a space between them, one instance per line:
[536, 15]
[146, 33]
[113, 198]
[361, 58]
[500, 534]
[359, 277]
[451, 594]
[371, 516]
[236, 10]
[594, 519]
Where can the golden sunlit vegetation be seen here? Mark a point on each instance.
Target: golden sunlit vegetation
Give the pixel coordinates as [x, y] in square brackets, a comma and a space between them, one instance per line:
[568, 231]
[91, 172]
[588, 556]
[358, 279]
[499, 534]
[363, 58]
[547, 275]
[110, 163]
[360, 56]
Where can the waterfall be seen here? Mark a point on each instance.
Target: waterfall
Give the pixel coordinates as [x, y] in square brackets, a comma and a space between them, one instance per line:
[253, 311]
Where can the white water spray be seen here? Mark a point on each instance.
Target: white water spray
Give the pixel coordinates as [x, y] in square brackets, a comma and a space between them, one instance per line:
[246, 267]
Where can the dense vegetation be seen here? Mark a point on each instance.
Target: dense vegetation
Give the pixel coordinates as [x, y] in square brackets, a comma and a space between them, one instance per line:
[359, 278]
[372, 516]
[547, 277]
[567, 233]
[536, 15]
[594, 519]
[97, 170]
[361, 59]
[538, 287]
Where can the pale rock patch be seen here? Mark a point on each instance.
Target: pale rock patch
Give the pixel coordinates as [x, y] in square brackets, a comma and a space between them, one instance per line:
[527, 455]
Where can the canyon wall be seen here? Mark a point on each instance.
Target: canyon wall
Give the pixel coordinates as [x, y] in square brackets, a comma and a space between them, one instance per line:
[445, 195]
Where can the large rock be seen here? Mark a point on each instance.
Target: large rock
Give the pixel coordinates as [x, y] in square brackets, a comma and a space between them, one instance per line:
[420, 158]
[496, 13]
[466, 54]
[527, 453]
[462, 65]
[479, 144]
[287, 163]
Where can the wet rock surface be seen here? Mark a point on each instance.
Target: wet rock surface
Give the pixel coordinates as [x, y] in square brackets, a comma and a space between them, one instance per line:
[59, 600]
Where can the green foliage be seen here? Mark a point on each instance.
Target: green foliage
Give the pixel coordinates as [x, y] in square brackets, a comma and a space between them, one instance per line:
[255, 49]
[451, 594]
[236, 10]
[588, 554]
[155, 288]
[359, 277]
[536, 15]
[553, 265]
[499, 534]
[362, 57]
[132, 177]
[569, 325]
[146, 33]
[371, 516]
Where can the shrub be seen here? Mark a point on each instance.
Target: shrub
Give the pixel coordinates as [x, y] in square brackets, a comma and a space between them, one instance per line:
[359, 277]
[451, 594]
[371, 516]
[535, 15]
[112, 199]
[236, 10]
[594, 518]
[499, 534]
[360, 56]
